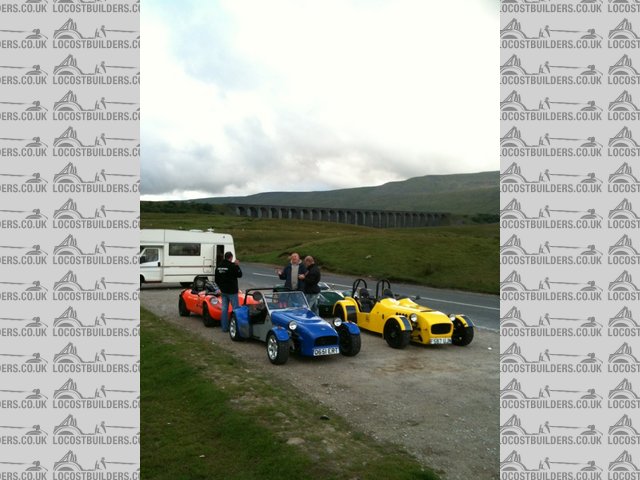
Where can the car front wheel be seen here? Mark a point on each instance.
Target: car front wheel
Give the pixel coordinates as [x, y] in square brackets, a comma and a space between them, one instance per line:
[462, 335]
[395, 336]
[182, 308]
[206, 317]
[349, 342]
[277, 351]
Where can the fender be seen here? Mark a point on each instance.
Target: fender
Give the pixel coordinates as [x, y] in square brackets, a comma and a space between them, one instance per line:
[346, 309]
[464, 320]
[404, 322]
[282, 334]
[351, 327]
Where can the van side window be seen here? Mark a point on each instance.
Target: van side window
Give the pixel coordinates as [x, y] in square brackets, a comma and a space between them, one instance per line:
[151, 255]
[184, 249]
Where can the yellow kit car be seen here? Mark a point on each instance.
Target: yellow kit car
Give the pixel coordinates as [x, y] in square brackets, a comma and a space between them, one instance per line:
[401, 320]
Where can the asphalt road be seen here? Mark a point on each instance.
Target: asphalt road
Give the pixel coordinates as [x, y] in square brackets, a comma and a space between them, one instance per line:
[482, 309]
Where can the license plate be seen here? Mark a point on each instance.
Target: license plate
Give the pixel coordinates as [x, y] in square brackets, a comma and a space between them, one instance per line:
[440, 341]
[325, 351]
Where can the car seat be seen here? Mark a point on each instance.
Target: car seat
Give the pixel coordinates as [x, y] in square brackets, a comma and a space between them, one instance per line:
[257, 312]
[365, 300]
[198, 284]
[387, 293]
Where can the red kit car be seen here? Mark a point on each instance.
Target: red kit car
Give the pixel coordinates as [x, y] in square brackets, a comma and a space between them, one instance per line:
[203, 298]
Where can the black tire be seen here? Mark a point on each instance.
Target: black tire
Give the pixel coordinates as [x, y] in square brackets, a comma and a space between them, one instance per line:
[234, 334]
[462, 335]
[395, 337]
[349, 342]
[185, 284]
[277, 351]
[182, 308]
[207, 319]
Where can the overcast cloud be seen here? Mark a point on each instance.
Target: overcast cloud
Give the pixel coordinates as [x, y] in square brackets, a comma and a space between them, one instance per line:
[248, 96]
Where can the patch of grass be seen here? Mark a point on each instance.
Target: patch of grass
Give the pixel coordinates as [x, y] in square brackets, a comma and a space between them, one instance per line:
[205, 415]
[458, 257]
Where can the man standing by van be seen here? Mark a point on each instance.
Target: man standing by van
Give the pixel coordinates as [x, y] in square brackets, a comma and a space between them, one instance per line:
[226, 276]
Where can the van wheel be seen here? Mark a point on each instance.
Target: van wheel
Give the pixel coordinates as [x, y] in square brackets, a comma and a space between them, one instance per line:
[185, 284]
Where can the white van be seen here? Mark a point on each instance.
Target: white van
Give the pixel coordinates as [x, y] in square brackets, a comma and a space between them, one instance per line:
[169, 256]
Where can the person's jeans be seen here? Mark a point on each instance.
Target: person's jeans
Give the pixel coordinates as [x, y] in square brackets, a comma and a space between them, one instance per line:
[224, 318]
[312, 300]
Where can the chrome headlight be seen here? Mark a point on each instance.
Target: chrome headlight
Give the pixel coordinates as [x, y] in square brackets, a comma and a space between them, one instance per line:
[293, 325]
[213, 300]
[413, 317]
[337, 322]
[452, 317]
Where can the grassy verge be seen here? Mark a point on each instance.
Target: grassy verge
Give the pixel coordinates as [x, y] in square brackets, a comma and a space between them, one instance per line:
[205, 415]
[457, 257]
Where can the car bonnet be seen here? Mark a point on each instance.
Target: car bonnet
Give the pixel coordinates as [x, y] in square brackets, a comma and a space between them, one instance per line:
[306, 320]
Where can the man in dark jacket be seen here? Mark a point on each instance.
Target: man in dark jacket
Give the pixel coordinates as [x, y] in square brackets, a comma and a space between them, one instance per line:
[226, 276]
[290, 273]
[310, 281]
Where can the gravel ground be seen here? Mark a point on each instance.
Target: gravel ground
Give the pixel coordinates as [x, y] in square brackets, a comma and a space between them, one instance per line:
[438, 402]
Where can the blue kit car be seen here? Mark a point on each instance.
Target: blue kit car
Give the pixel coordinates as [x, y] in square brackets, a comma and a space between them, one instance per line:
[283, 320]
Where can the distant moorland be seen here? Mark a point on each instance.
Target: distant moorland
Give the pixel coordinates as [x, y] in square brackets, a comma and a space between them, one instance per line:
[469, 194]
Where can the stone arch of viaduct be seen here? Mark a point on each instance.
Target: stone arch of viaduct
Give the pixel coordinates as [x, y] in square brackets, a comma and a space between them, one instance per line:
[352, 216]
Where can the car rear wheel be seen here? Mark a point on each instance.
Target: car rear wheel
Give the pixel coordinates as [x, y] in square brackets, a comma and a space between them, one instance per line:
[349, 343]
[277, 351]
[395, 336]
[234, 334]
[462, 335]
[182, 308]
[206, 317]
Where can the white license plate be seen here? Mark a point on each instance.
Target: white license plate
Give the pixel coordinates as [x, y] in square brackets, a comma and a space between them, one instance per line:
[325, 351]
[440, 341]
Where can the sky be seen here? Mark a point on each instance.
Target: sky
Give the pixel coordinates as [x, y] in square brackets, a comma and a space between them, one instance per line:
[248, 96]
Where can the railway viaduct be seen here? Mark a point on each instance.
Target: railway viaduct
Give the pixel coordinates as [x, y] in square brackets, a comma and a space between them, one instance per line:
[364, 217]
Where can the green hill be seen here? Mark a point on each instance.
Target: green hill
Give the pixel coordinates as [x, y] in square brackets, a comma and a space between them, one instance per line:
[464, 194]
